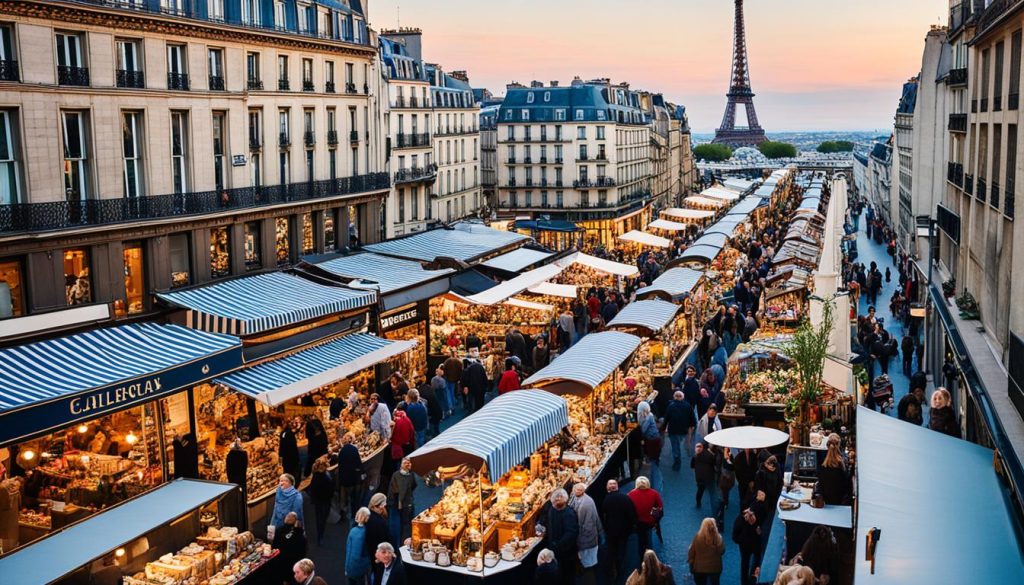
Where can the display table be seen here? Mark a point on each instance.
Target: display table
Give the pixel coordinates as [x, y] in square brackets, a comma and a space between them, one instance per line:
[504, 572]
[800, 522]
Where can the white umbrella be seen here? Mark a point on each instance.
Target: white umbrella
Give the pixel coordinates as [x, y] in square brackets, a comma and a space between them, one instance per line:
[747, 437]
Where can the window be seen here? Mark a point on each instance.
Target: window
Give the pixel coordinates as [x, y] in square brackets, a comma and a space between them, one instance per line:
[255, 130]
[172, 6]
[71, 68]
[215, 9]
[179, 151]
[177, 75]
[579, 114]
[508, 114]
[215, 59]
[251, 12]
[415, 196]
[600, 132]
[997, 91]
[220, 164]
[256, 169]
[129, 64]
[134, 279]
[252, 67]
[583, 152]
[283, 130]
[547, 96]
[131, 134]
[330, 238]
[529, 97]
[307, 75]
[10, 173]
[220, 257]
[528, 197]
[543, 198]
[8, 60]
[526, 115]
[76, 156]
[329, 77]
[181, 259]
[282, 72]
[251, 242]
[279, 14]
[307, 127]
[284, 167]
[560, 114]
[282, 244]
[1011, 170]
[77, 280]
[600, 115]
[12, 289]
[581, 132]
[559, 199]
[401, 206]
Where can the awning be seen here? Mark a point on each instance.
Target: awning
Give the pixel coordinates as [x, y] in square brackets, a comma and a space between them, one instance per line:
[278, 381]
[381, 273]
[500, 435]
[57, 382]
[765, 191]
[470, 282]
[586, 364]
[504, 290]
[602, 265]
[740, 185]
[810, 204]
[255, 304]
[698, 201]
[681, 213]
[524, 304]
[63, 552]
[716, 239]
[716, 192]
[464, 242]
[653, 315]
[664, 224]
[744, 207]
[554, 289]
[726, 226]
[701, 253]
[548, 225]
[672, 284]
[645, 238]
[517, 260]
[965, 531]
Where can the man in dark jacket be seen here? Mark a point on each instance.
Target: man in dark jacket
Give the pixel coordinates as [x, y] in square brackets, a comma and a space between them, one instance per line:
[610, 308]
[560, 532]
[434, 411]
[691, 386]
[452, 373]
[474, 384]
[908, 347]
[745, 466]
[417, 413]
[703, 464]
[618, 515]
[746, 532]
[288, 451]
[236, 464]
[680, 419]
[387, 565]
[349, 478]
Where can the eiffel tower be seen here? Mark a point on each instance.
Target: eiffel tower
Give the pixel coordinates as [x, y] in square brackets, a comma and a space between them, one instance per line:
[739, 93]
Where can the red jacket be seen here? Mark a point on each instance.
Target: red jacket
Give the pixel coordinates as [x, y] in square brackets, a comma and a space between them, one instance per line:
[403, 437]
[509, 381]
[593, 306]
[643, 501]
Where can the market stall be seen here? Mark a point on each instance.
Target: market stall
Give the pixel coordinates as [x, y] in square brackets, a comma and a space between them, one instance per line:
[705, 203]
[675, 284]
[181, 533]
[667, 332]
[720, 193]
[585, 271]
[785, 299]
[483, 525]
[687, 216]
[554, 234]
[671, 228]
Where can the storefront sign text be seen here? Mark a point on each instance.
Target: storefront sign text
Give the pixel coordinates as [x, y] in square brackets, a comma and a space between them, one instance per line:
[114, 396]
[392, 321]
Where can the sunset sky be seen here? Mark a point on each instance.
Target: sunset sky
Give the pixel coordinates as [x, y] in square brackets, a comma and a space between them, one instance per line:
[815, 64]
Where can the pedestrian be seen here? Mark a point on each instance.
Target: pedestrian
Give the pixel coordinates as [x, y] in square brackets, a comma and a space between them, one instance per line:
[649, 433]
[590, 531]
[941, 416]
[378, 417]
[708, 423]
[474, 384]
[377, 525]
[388, 568]
[560, 529]
[745, 465]
[286, 499]
[888, 275]
[703, 465]
[909, 408]
[726, 479]
[509, 378]
[439, 384]
[705, 554]
[435, 410]
[290, 540]
[768, 482]
[452, 374]
[304, 573]
[649, 509]
[908, 348]
[357, 562]
[288, 451]
[236, 464]
[547, 569]
[400, 496]
[651, 571]
[680, 421]
[834, 483]
[417, 414]
[746, 532]
[619, 517]
[403, 440]
[541, 354]
[349, 477]
[691, 387]
[316, 443]
[821, 554]
[320, 490]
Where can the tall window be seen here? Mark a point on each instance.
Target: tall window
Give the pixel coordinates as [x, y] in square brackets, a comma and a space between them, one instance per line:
[179, 151]
[279, 14]
[1015, 47]
[252, 66]
[1011, 169]
[220, 248]
[329, 77]
[177, 65]
[215, 9]
[12, 289]
[581, 132]
[76, 155]
[401, 206]
[282, 240]
[77, 277]
[215, 58]
[330, 239]
[129, 64]
[134, 277]
[8, 60]
[414, 210]
[282, 72]
[179, 250]
[220, 164]
[131, 134]
[71, 68]
[255, 130]
[307, 233]
[252, 245]
[283, 127]
[284, 167]
[997, 90]
[10, 173]
[307, 75]
[251, 12]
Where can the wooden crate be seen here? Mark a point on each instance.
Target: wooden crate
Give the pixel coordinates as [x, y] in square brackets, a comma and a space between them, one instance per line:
[449, 539]
[422, 531]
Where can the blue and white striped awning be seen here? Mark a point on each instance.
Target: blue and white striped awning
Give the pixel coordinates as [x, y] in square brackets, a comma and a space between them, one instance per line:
[383, 273]
[517, 260]
[464, 242]
[59, 381]
[653, 315]
[500, 435]
[278, 381]
[586, 364]
[703, 253]
[255, 304]
[672, 284]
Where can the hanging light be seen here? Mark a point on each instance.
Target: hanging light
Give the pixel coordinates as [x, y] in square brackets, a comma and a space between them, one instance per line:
[83, 428]
[119, 552]
[130, 438]
[27, 459]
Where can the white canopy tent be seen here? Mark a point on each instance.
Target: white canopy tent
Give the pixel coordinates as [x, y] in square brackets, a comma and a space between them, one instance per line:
[703, 202]
[554, 290]
[645, 239]
[718, 192]
[688, 214]
[504, 290]
[600, 264]
[664, 224]
[524, 304]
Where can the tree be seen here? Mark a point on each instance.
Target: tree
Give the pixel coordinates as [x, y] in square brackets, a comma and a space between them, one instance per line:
[808, 349]
[712, 152]
[835, 146]
[773, 149]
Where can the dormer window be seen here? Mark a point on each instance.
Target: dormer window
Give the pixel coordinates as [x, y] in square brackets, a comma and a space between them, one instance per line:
[547, 96]
[579, 114]
[526, 115]
[529, 98]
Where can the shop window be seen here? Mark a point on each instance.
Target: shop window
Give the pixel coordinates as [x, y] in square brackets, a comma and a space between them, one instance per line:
[174, 421]
[181, 260]
[220, 257]
[252, 246]
[307, 233]
[77, 281]
[12, 288]
[330, 240]
[282, 245]
[134, 279]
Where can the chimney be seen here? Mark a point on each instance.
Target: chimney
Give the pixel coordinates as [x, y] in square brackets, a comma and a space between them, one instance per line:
[536, 83]
[577, 81]
[554, 83]
[514, 85]
[460, 75]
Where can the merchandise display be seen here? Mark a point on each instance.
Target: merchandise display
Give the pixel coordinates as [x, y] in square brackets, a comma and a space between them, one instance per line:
[489, 322]
[219, 556]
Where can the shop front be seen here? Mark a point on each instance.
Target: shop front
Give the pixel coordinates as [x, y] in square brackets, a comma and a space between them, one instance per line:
[603, 233]
[96, 418]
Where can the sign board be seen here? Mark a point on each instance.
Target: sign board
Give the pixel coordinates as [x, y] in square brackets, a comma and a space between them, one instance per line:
[401, 317]
[238, 160]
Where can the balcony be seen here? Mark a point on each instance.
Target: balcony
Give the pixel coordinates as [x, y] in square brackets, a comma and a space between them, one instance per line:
[366, 88]
[969, 184]
[9, 70]
[982, 192]
[132, 79]
[558, 160]
[1009, 198]
[957, 123]
[543, 182]
[309, 138]
[254, 84]
[955, 173]
[353, 137]
[255, 143]
[558, 182]
[283, 85]
[350, 87]
[399, 102]
[216, 83]
[413, 140]
[416, 174]
[511, 184]
[543, 160]
[601, 156]
[994, 199]
[997, 103]
[527, 160]
[605, 182]
[60, 215]
[591, 183]
[177, 81]
[307, 85]
[73, 75]
[332, 137]
[974, 106]
[957, 77]
[959, 13]
[511, 160]
[283, 140]
[528, 183]
[329, 87]
[527, 138]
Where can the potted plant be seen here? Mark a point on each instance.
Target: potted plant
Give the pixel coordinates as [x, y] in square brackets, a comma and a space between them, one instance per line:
[808, 350]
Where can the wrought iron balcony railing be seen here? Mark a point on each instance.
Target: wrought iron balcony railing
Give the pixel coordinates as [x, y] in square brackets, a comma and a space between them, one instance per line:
[254, 84]
[72, 75]
[216, 83]
[329, 87]
[133, 79]
[178, 81]
[332, 137]
[9, 70]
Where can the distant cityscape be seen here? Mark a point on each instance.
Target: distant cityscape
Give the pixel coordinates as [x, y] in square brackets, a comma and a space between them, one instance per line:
[809, 140]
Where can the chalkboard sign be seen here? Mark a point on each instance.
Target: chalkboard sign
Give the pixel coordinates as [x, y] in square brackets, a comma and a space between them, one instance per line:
[806, 462]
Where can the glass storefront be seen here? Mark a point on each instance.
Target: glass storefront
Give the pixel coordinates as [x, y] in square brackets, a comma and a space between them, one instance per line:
[134, 279]
[220, 257]
[77, 281]
[253, 260]
[307, 234]
[12, 289]
[330, 240]
[181, 263]
[282, 243]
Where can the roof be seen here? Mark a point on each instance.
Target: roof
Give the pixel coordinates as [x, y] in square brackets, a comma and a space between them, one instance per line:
[524, 281]
[699, 201]
[500, 435]
[381, 273]
[909, 98]
[718, 192]
[653, 315]
[603, 265]
[672, 284]
[744, 206]
[645, 238]
[681, 213]
[703, 253]
[61, 553]
[517, 260]
[255, 304]
[586, 364]
[664, 224]
[716, 239]
[966, 518]
[464, 241]
[577, 102]
[726, 226]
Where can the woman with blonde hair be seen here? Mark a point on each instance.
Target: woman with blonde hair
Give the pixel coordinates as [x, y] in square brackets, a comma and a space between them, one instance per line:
[649, 509]
[651, 571]
[941, 416]
[357, 562]
[834, 483]
[705, 554]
